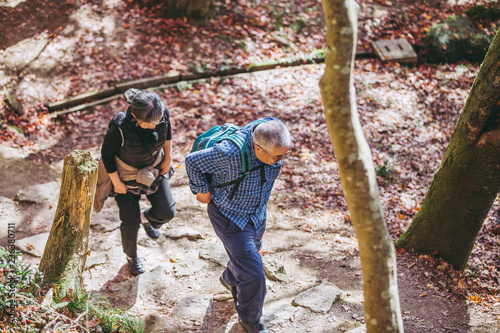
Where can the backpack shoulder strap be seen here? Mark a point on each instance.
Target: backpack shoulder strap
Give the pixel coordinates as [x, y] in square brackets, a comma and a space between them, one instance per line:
[246, 157]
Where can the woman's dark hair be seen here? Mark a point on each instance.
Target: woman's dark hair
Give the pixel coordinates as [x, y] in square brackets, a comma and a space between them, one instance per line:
[145, 106]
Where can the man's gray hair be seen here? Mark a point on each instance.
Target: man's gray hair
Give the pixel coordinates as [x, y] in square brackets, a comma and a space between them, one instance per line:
[271, 135]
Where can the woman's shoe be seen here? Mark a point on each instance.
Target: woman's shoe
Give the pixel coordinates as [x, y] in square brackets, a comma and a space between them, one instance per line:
[135, 266]
[150, 230]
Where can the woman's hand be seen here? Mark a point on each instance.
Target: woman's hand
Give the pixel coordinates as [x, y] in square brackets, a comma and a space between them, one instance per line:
[118, 186]
[167, 160]
[164, 167]
[204, 197]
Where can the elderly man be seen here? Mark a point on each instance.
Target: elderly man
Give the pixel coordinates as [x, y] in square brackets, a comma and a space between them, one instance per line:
[239, 218]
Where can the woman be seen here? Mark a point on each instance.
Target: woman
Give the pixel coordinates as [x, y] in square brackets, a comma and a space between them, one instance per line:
[137, 152]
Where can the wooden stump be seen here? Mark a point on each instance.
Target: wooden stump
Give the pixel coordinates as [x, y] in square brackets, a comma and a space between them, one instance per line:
[65, 254]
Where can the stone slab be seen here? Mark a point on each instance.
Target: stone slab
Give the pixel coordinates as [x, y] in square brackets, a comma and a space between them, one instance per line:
[39, 193]
[320, 298]
[34, 245]
[398, 50]
[183, 232]
[214, 252]
[8, 214]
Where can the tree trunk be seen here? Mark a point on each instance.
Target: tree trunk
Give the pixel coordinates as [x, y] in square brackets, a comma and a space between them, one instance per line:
[468, 180]
[65, 254]
[188, 8]
[378, 260]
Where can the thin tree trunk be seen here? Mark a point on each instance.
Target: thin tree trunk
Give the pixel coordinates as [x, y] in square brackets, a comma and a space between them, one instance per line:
[65, 254]
[468, 180]
[378, 260]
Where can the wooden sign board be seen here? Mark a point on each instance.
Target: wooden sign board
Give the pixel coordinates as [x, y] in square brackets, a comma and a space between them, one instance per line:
[398, 50]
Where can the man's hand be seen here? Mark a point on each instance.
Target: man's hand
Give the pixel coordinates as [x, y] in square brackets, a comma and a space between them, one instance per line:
[204, 197]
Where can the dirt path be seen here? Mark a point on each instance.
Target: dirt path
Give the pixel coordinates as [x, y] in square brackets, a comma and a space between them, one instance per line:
[314, 245]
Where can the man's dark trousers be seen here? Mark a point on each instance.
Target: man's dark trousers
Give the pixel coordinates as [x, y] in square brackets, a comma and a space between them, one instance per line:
[244, 269]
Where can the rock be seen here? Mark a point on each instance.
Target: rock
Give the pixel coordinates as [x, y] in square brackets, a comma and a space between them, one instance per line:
[222, 297]
[30, 48]
[34, 245]
[9, 153]
[14, 103]
[214, 252]
[152, 284]
[231, 327]
[182, 232]
[140, 289]
[361, 329]
[48, 298]
[8, 214]
[117, 260]
[95, 259]
[484, 12]
[275, 270]
[154, 259]
[320, 298]
[193, 307]
[149, 242]
[277, 314]
[116, 257]
[455, 39]
[154, 323]
[124, 294]
[39, 193]
[188, 265]
[106, 220]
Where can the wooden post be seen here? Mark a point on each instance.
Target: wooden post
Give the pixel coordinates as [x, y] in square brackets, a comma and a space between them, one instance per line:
[65, 254]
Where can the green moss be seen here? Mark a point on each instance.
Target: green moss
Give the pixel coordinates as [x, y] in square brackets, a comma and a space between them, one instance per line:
[456, 39]
[484, 12]
[319, 54]
[15, 129]
[87, 167]
[83, 160]
[269, 62]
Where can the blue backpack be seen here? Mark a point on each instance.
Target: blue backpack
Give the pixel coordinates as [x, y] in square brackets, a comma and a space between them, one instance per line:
[228, 132]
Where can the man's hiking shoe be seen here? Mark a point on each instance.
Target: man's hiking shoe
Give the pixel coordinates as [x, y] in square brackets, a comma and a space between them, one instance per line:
[257, 327]
[228, 287]
[150, 230]
[135, 266]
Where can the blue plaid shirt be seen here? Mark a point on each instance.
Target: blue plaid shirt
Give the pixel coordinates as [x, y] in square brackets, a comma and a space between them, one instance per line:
[223, 162]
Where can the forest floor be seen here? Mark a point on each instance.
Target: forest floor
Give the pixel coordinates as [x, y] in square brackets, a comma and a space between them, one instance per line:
[407, 112]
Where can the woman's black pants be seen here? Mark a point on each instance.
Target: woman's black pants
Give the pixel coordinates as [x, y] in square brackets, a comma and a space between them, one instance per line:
[162, 210]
